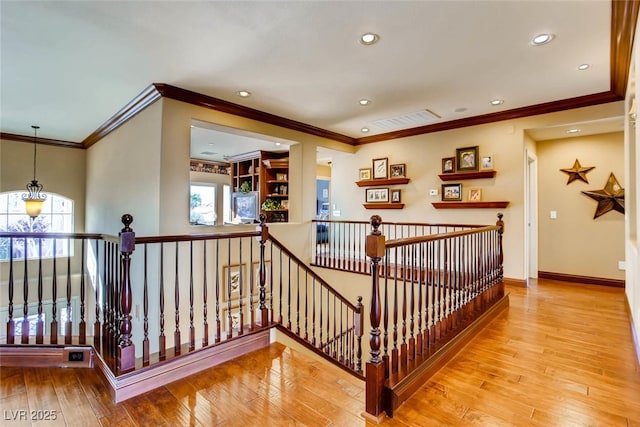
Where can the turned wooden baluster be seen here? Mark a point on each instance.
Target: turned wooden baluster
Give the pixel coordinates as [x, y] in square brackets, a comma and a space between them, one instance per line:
[375, 248]
[126, 349]
[11, 325]
[40, 323]
[264, 236]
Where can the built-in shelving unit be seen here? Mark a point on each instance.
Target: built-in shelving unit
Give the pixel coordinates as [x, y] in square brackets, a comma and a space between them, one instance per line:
[267, 173]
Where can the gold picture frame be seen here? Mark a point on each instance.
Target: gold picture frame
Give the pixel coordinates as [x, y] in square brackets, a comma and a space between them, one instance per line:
[364, 174]
[234, 278]
[475, 194]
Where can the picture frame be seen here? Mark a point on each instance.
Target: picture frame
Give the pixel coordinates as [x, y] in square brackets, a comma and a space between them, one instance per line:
[377, 195]
[467, 159]
[486, 162]
[380, 169]
[244, 207]
[448, 165]
[234, 326]
[284, 204]
[475, 194]
[451, 192]
[364, 174]
[281, 177]
[233, 278]
[397, 170]
[396, 196]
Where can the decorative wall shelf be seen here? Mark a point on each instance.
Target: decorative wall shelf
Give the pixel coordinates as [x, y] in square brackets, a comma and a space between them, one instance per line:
[376, 182]
[470, 205]
[467, 175]
[383, 205]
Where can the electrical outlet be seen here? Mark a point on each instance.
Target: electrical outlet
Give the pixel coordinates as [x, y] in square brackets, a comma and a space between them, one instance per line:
[622, 265]
[553, 214]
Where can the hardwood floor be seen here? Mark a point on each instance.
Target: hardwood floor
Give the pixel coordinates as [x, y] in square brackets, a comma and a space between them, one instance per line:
[561, 355]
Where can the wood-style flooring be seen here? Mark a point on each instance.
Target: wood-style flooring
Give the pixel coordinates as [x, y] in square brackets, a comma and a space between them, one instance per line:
[561, 355]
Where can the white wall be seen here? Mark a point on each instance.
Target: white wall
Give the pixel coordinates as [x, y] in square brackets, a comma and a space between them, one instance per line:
[123, 176]
[632, 198]
[574, 243]
[422, 155]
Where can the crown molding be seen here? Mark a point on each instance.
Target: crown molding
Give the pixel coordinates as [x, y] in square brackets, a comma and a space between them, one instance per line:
[135, 106]
[516, 113]
[43, 141]
[624, 18]
[212, 103]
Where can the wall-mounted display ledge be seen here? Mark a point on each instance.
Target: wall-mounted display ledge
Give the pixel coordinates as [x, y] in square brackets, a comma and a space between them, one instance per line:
[376, 182]
[469, 205]
[383, 205]
[467, 175]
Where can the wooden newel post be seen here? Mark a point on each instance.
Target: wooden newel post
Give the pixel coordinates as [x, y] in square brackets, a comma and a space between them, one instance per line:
[264, 236]
[500, 224]
[375, 249]
[126, 349]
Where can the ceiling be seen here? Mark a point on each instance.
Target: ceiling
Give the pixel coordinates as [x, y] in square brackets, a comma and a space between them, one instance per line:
[70, 66]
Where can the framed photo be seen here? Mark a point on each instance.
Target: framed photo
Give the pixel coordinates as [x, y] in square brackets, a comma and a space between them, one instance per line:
[397, 171]
[281, 177]
[234, 323]
[395, 196]
[234, 277]
[475, 195]
[244, 207]
[486, 162]
[451, 192]
[284, 204]
[364, 174]
[467, 158]
[376, 195]
[449, 165]
[381, 168]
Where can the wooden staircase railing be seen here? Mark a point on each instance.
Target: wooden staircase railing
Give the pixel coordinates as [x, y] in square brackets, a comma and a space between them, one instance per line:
[341, 245]
[425, 291]
[159, 298]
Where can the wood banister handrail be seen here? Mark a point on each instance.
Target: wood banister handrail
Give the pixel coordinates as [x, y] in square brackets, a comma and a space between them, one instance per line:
[421, 239]
[192, 237]
[312, 273]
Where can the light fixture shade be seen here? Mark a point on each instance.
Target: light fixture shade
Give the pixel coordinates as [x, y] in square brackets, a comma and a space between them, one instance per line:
[33, 207]
[34, 199]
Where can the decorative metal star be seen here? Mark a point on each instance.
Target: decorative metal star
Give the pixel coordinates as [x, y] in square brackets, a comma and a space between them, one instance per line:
[577, 172]
[611, 197]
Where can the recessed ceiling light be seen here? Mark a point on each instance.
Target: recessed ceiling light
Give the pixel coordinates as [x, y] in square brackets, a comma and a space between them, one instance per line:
[541, 39]
[278, 144]
[243, 93]
[497, 102]
[364, 101]
[582, 67]
[574, 130]
[364, 130]
[369, 38]
[460, 110]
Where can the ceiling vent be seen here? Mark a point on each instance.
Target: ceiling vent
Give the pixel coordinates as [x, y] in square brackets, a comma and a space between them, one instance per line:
[409, 120]
[208, 153]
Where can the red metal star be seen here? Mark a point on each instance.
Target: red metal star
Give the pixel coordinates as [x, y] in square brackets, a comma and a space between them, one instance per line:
[611, 197]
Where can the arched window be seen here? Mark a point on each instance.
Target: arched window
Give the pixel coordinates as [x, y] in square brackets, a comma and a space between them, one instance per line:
[56, 217]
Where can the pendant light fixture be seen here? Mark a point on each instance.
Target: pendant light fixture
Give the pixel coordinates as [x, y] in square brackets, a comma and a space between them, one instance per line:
[34, 199]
